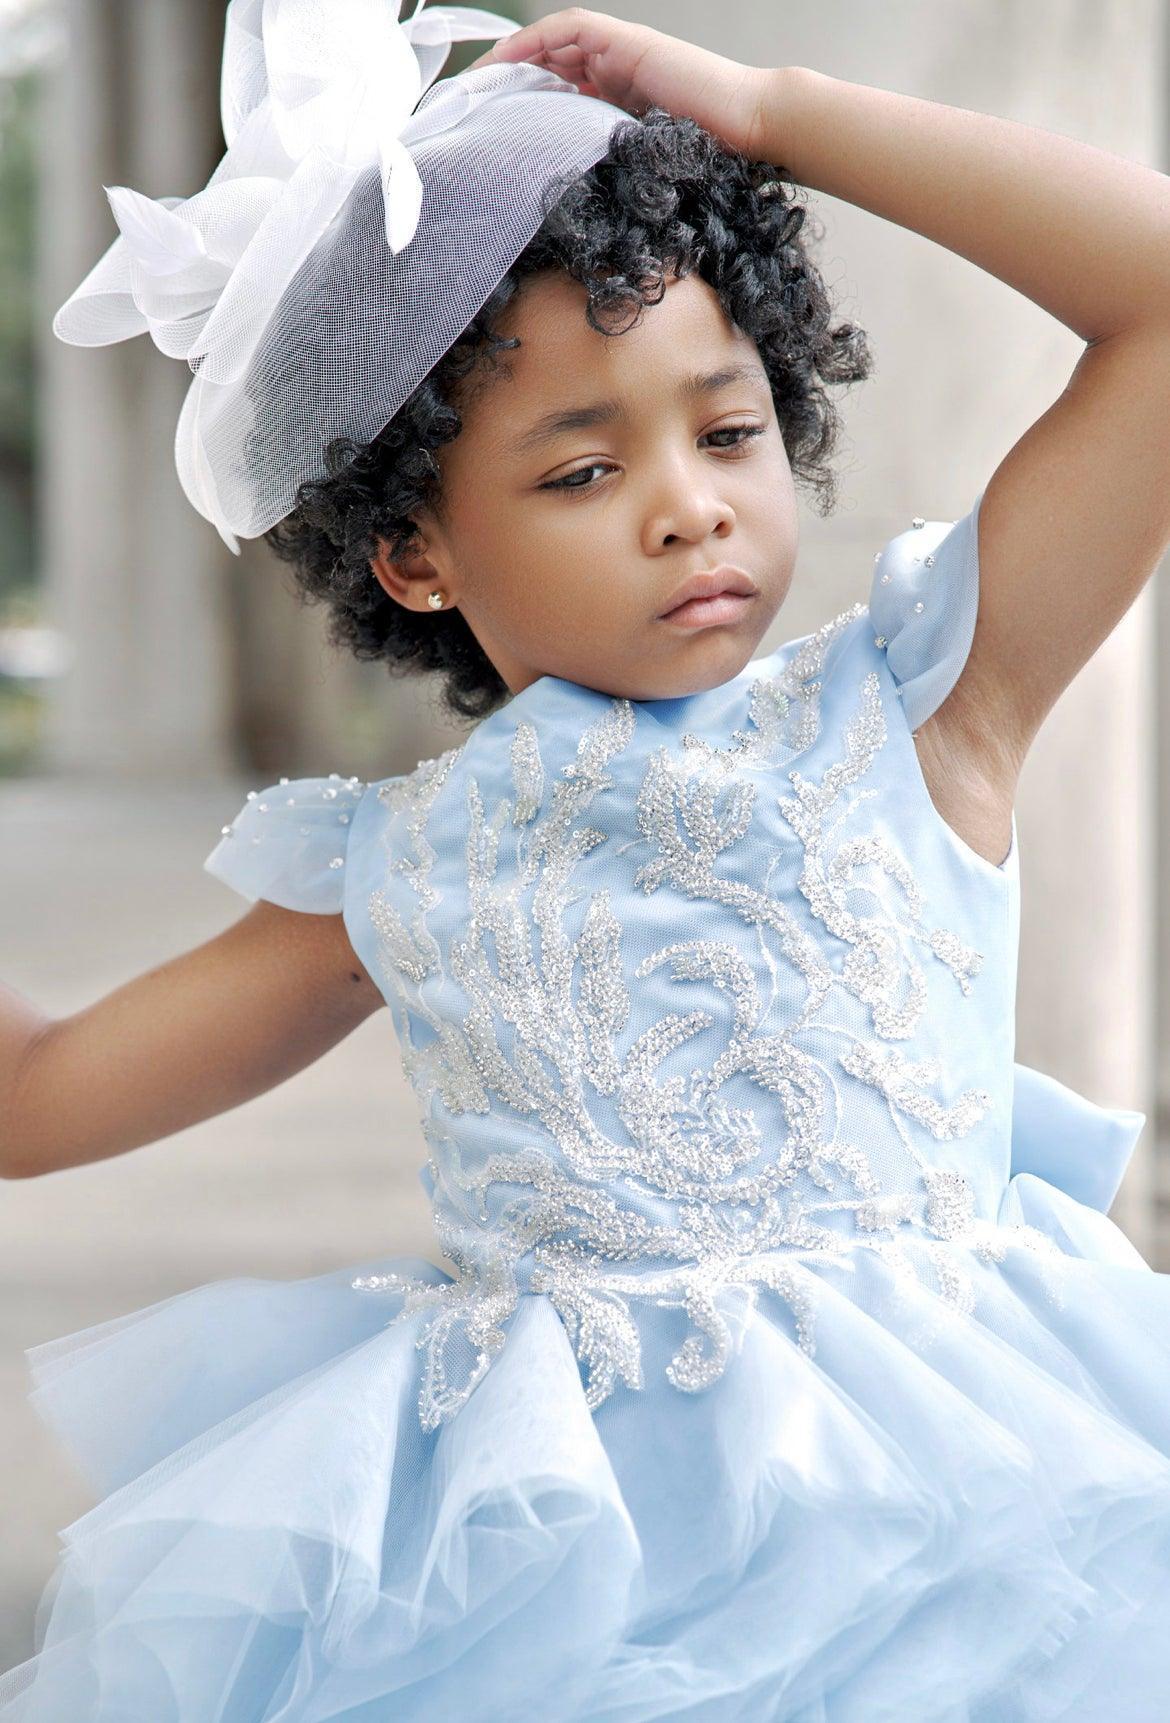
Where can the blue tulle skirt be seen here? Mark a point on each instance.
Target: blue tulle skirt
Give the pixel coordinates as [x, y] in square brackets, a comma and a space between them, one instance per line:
[945, 1514]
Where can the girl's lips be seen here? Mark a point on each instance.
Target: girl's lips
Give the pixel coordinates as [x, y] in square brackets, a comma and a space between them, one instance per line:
[702, 612]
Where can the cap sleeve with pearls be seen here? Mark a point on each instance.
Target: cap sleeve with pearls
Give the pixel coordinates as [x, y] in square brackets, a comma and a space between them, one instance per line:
[923, 601]
[288, 843]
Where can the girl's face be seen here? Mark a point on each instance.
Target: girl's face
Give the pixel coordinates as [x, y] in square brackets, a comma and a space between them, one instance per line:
[563, 543]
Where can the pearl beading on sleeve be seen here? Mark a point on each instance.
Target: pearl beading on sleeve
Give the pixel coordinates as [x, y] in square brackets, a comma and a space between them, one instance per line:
[301, 839]
[922, 605]
[916, 524]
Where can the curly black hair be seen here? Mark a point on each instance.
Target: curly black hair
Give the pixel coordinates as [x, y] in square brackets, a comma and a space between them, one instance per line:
[666, 196]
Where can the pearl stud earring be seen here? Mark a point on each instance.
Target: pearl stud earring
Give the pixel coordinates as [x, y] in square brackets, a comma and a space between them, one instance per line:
[435, 600]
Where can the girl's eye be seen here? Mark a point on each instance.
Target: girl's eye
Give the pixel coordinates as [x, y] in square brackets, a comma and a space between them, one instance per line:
[744, 432]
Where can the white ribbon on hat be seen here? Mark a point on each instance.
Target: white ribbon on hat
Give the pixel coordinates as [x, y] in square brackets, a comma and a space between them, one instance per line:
[353, 185]
[311, 97]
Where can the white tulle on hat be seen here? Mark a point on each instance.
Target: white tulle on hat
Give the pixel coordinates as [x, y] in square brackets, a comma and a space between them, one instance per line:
[360, 217]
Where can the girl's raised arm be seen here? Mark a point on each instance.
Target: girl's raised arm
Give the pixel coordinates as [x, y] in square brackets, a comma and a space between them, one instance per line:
[193, 1037]
[1076, 516]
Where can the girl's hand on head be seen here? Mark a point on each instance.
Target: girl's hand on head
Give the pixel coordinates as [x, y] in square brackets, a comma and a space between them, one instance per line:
[637, 68]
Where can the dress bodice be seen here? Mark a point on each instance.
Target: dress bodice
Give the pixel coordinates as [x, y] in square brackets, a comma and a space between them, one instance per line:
[696, 992]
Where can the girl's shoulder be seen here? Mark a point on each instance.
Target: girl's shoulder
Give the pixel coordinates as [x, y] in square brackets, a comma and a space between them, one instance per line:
[291, 841]
[288, 843]
[923, 600]
[919, 617]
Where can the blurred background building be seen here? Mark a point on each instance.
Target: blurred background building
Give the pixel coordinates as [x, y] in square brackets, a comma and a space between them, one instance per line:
[148, 678]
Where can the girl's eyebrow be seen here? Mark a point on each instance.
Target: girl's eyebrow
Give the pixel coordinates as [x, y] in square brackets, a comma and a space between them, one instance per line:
[563, 419]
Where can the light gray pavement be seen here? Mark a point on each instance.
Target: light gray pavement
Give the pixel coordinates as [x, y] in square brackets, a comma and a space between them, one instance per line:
[97, 884]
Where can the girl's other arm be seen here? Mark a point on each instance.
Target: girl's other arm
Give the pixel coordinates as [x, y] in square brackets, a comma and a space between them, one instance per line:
[1077, 515]
[193, 1037]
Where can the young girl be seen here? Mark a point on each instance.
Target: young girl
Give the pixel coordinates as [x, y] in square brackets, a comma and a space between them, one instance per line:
[789, 1367]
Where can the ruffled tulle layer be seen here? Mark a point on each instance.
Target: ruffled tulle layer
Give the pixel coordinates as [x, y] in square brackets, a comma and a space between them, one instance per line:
[960, 1517]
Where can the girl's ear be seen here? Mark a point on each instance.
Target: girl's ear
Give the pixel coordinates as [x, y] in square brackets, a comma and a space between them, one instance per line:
[387, 571]
[407, 578]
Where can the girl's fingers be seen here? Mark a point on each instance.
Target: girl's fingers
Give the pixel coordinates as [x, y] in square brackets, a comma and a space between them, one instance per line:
[635, 67]
[570, 62]
[588, 32]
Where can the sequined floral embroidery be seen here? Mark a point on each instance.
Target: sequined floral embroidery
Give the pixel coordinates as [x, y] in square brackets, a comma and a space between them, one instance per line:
[692, 1198]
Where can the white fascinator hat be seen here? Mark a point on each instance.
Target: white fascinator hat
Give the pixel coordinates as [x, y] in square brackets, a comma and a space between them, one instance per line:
[361, 215]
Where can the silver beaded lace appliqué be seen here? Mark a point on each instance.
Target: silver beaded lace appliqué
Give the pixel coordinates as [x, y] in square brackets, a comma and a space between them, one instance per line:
[592, 1250]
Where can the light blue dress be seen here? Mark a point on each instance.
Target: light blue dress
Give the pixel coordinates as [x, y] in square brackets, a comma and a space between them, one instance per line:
[788, 1368]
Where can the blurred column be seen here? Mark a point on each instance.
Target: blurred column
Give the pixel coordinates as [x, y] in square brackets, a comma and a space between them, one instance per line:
[135, 578]
[964, 366]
